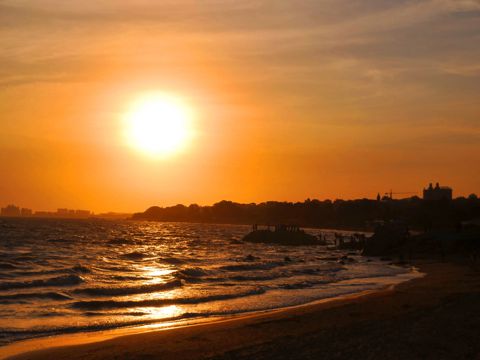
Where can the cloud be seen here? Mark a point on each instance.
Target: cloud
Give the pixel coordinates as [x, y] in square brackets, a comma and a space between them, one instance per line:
[359, 50]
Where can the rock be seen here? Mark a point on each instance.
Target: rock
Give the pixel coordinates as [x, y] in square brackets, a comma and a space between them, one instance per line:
[387, 240]
[281, 237]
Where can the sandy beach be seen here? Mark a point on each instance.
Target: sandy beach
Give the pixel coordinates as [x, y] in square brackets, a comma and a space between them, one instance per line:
[434, 317]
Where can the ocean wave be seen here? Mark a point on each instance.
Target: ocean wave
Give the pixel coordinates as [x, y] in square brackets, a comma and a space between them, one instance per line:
[67, 280]
[121, 241]
[59, 240]
[255, 266]
[109, 314]
[257, 278]
[301, 285]
[27, 296]
[190, 273]
[81, 269]
[112, 304]
[135, 255]
[49, 314]
[119, 291]
[110, 268]
[8, 266]
[195, 275]
[316, 270]
[75, 270]
[26, 258]
[8, 335]
[172, 260]
[130, 278]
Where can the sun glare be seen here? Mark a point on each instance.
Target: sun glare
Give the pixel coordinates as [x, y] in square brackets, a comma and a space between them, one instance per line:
[159, 125]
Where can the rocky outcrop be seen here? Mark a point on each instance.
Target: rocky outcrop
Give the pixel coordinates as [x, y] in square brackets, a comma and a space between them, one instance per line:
[388, 239]
[281, 237]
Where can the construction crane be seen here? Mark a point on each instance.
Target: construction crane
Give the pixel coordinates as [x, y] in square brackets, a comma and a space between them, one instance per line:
[391, 193]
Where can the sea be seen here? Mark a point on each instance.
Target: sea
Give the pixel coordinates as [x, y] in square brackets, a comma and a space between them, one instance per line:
[67, 276]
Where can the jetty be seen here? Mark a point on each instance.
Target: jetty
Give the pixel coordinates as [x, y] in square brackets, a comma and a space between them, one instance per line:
[290, 235]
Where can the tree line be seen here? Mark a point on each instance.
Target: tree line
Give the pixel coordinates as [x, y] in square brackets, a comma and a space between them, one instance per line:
[353, 214]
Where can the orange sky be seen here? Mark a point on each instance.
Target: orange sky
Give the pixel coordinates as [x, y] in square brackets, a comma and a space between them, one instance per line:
[292, 99]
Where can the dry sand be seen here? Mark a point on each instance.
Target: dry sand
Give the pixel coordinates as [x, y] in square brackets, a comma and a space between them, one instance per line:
[434, 317]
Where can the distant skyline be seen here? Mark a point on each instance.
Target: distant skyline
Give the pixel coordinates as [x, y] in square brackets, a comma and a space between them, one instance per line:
[383, 195]
[290, 100]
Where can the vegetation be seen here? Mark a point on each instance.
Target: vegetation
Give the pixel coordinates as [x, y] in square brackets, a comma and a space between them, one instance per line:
[354, 214]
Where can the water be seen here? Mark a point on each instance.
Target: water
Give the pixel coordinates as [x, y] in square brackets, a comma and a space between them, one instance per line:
[66, 276]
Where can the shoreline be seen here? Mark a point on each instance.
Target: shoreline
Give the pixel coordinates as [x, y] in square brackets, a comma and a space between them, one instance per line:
[386, 283]
[44, 345]
[432, 317]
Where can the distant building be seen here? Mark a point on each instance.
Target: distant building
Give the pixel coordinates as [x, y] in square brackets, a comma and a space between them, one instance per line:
[26, 212]
[70, 213]
[437, 193]
[82, 213]
[11, 211]
[62, 212]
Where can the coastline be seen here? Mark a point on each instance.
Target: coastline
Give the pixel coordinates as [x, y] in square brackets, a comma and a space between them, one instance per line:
[327, 326]
[385, 284]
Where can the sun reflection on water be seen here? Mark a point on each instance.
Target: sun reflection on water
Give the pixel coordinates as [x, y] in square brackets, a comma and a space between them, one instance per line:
[157, 275]
[166, 312]
[156, 272]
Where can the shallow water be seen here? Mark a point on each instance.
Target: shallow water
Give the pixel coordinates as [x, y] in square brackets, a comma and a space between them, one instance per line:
[65, 276]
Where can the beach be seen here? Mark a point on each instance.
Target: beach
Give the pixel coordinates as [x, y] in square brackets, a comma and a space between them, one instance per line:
[433, 317]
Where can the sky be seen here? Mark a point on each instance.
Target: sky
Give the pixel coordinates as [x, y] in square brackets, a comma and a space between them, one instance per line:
[291, 99]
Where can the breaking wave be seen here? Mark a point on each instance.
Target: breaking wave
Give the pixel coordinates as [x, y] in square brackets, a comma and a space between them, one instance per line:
[113, 304]
[67, 280]
[120, 291]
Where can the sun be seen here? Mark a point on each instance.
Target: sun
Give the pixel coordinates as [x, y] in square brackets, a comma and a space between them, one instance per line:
[158, 124]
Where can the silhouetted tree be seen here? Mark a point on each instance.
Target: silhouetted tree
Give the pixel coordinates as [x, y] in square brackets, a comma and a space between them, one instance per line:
[414, 211]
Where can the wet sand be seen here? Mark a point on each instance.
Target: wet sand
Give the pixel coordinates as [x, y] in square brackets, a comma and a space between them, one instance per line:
[434, 317]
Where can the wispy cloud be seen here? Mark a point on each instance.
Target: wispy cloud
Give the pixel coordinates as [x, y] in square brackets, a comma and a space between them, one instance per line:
[361, 51]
